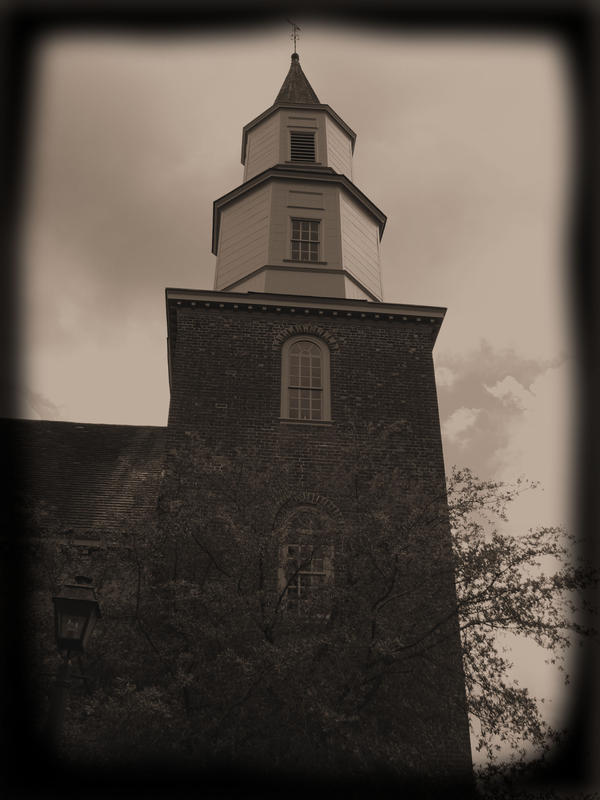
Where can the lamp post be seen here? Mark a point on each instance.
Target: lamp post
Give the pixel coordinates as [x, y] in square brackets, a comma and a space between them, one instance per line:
[75, 613]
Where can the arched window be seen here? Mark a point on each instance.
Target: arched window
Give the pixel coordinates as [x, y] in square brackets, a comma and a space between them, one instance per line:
[306, 562]
[305, 571]
[305, 393]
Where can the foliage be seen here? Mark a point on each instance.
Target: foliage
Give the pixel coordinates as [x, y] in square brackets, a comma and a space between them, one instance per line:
[531, 585]
[535, 585]
[197, 651]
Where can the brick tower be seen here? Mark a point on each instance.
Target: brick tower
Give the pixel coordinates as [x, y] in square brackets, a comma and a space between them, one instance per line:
[304, 446]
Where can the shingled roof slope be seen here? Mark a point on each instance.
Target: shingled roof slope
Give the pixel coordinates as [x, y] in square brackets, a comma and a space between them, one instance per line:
[296, 88]
[84, 476]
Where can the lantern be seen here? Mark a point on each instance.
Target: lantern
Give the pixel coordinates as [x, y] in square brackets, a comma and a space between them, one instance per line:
[75, 613]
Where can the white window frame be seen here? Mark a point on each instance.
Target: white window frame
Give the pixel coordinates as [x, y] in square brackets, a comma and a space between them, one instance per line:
[309, 241]
[325, 379]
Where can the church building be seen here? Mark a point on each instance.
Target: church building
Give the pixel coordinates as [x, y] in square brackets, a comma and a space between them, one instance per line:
[282, 548]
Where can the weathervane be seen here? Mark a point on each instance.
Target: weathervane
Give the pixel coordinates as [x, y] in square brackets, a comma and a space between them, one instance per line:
[294, 33]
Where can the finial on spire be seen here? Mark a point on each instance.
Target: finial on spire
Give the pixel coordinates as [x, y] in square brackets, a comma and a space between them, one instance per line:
[294, 34]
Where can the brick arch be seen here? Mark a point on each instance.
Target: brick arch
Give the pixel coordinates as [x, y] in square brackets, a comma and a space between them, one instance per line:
[308, 328]
[309, 501]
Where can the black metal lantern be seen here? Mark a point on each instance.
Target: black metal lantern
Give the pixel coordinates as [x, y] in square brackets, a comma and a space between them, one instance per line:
[75, 613]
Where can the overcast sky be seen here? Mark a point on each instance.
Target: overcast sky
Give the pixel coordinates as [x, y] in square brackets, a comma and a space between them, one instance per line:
[463, 142]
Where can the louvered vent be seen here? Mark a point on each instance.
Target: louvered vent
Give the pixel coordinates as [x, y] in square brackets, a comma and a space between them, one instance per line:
[302, 146]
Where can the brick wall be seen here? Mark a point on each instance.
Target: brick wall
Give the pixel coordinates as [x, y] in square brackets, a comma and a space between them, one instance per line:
[225, 396]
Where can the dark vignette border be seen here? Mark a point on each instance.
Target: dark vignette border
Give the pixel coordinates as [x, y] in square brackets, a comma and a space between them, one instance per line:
[575, 26]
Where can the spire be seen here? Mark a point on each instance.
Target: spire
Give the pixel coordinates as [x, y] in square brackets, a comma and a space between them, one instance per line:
[296, 88]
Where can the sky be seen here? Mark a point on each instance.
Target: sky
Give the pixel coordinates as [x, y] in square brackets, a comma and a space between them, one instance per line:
[464, 142]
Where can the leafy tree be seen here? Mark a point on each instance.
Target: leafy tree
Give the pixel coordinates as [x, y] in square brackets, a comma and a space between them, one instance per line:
[519, 584]
[197, 655]
[535, 585]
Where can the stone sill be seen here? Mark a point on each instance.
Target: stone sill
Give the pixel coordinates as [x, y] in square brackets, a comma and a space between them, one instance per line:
[307, 263]
[322, 423]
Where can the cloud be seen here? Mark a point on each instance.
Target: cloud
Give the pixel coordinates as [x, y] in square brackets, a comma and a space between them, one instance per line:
[444, 376]
[539, 444]
[34, 405]
[505, 416]
[510, 392]
[459, 423]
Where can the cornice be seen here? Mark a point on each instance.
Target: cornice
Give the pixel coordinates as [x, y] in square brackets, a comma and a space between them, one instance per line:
[305, 305]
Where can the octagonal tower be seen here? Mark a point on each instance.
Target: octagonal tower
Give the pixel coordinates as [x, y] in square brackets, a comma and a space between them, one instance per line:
[298, 224]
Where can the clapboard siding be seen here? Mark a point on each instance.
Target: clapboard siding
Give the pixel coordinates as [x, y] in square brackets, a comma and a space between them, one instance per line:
[256, 231]
[360, 245]
[255, 283]
[263, 147]
[268, 143]
[299, 200]
[353, 292]
[325, 210]
[339, 149]
[243, 240]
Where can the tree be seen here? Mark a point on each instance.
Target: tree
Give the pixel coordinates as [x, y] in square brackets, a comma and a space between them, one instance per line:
[201, 659]
[535, 585]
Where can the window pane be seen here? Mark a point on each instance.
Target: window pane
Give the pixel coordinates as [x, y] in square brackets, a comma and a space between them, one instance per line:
[293, 403]
[305, 381]
[305, 368]
[305, 240]
[313, 572]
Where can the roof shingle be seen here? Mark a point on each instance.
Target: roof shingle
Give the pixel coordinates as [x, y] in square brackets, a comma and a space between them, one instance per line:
[84, 476]
[296, 88]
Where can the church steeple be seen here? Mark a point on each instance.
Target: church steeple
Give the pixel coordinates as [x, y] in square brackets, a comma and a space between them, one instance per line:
[298, 224]
[296, 88]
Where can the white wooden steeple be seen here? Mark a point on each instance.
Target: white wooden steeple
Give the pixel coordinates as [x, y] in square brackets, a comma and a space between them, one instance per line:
[298, 224]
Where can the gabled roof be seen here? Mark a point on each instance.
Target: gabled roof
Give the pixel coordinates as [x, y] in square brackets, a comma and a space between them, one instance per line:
[83, 476]
[296, 88]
